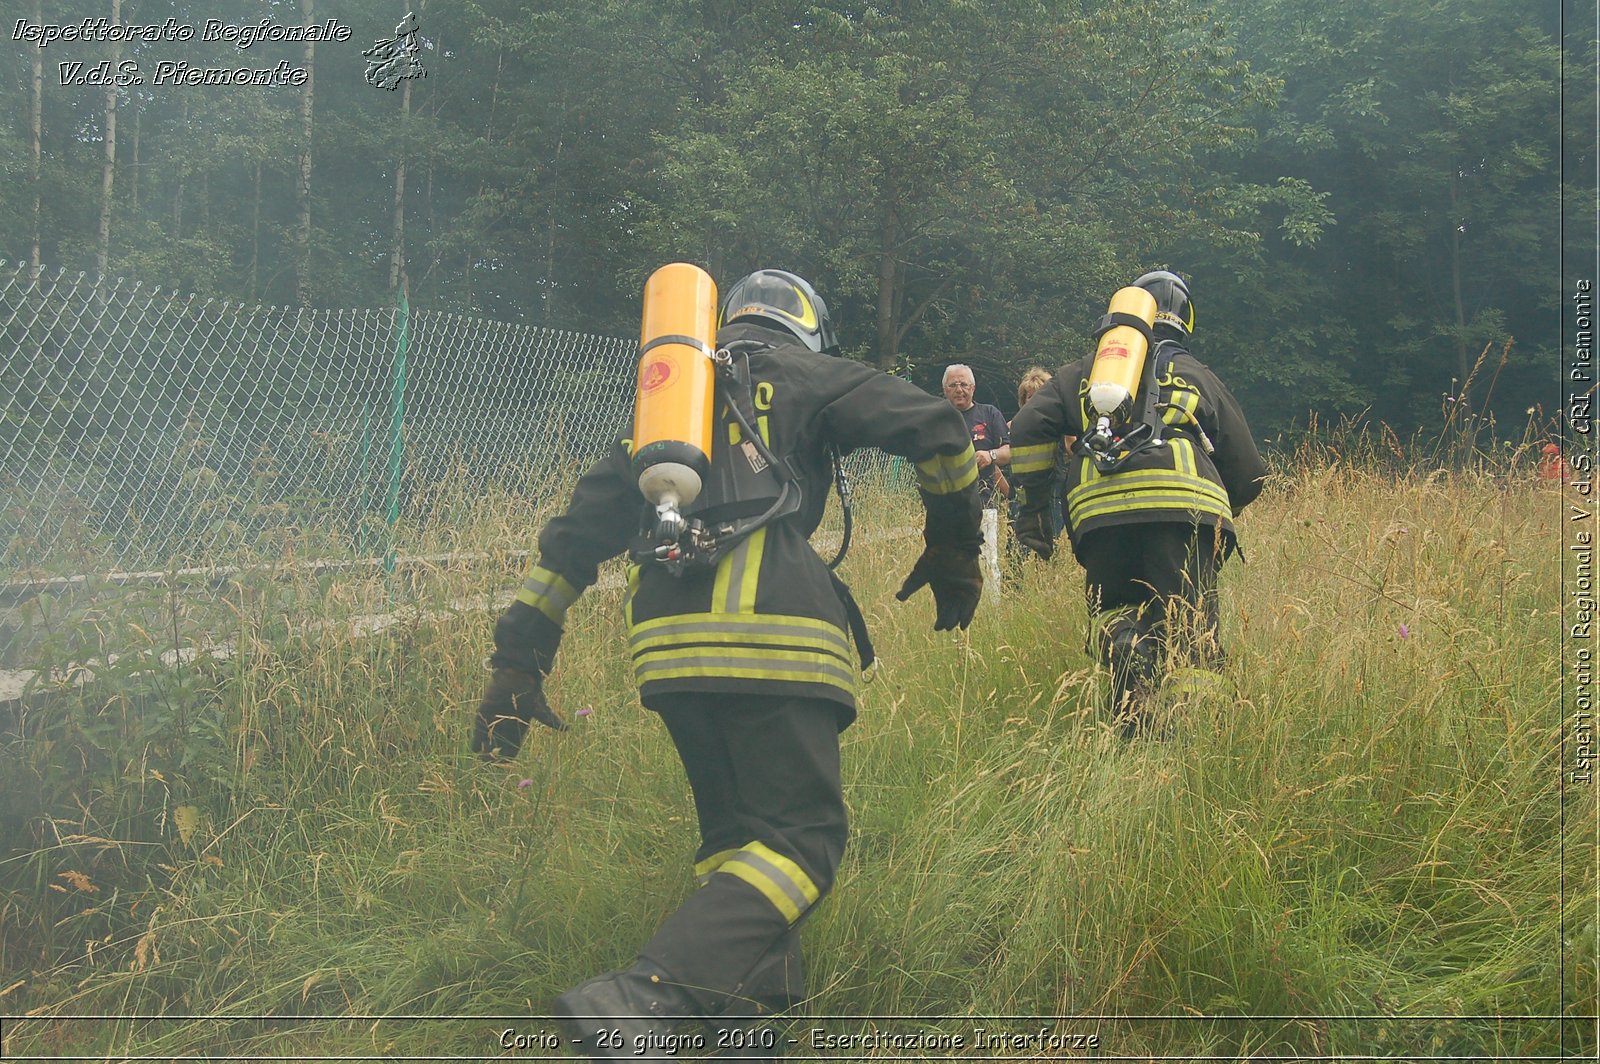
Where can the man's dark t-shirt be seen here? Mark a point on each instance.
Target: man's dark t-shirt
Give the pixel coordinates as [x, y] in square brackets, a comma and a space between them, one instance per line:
[989, 432]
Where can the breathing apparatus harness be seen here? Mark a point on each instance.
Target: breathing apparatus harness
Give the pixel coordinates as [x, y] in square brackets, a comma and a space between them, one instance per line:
[680, 543]
[1111, 447]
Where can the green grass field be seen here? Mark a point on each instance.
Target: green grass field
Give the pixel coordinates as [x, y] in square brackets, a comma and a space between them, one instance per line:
[1364, 853]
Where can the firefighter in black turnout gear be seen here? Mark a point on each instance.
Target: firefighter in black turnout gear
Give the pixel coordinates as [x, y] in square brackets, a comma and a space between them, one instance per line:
[1149, 508]
[747, 656]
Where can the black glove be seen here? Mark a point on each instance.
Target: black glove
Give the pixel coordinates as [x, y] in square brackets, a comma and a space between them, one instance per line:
[1033, 531]
[514, 700]
[953, 575]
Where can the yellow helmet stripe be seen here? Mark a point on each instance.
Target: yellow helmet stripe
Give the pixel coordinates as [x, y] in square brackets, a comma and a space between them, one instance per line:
[806, 319]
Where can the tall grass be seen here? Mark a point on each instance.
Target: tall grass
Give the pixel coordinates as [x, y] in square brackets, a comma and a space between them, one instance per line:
[1361, 851]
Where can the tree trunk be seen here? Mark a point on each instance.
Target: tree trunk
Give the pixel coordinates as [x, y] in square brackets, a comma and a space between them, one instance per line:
[302, 281]
[36, 137]
[1462, 365]
[182, 171]
[397, 254]
[550, 216]
[888, 279]
[108, 171]
[467, 266]
[133, 169]
[255, 232]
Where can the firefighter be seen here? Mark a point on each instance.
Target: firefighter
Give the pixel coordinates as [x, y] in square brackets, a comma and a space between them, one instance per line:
[1151, 522]
[747, 659]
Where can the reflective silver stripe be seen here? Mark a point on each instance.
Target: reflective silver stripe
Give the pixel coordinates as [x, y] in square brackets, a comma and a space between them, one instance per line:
[782, 882]
[734, 574]
[1181, 407]
[1145, 501]
[1184, 450]
[1149, 480]
[772, 873]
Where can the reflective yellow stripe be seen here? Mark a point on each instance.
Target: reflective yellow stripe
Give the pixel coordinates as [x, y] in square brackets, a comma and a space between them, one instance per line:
[763, 628]
[1154, 489]
[781, 881]
[744, 663]
[1108, 621]
[753, 548]
[1194, 682]
[1033, 458]
[943, 474]
[780, 636]
[1165, 480]
[703, 869]
[1183, 457]
[633, 589]
[738, 573]
[743, 646]
[1137, 502]
[1181, 494]
[548, 592]
[1181, 407]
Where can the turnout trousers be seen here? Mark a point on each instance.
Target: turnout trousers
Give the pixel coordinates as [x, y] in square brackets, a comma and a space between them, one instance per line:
[765, 775]
[1152, 598]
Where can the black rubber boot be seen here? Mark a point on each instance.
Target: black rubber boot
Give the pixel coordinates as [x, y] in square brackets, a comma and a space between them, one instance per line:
[1133, 662]
[626, 1015]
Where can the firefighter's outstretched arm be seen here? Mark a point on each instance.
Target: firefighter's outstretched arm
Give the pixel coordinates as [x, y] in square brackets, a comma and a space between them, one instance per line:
[515, 696]
[1035, 437]
[949, 562]
[873, 409]
[593, 529]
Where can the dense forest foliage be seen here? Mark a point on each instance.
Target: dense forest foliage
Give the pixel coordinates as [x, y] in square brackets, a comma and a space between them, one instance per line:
[1366, 196]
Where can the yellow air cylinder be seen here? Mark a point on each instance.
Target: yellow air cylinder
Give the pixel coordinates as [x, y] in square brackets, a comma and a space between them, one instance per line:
[1119, 359]
[672, 409]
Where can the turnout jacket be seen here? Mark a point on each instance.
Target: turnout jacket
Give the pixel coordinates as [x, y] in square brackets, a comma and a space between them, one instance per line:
[1206, 470]
[767, 618]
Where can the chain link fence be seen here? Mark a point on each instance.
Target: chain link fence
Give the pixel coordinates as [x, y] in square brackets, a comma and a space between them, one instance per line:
[143, 432]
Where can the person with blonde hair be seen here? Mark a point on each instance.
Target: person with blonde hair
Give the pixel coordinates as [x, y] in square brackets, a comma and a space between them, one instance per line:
[1034, 378]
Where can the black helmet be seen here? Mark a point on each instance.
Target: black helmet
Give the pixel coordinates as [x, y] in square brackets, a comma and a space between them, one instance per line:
[1172, 300]
[781, 298]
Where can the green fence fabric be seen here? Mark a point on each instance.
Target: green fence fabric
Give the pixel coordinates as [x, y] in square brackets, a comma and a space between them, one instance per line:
[144, 430]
